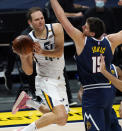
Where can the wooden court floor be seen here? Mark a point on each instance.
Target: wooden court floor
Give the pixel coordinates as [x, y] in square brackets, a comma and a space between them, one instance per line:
[10, 122]
[76, 126]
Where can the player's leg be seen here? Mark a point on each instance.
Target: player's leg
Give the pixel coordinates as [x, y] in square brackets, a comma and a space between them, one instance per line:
[107, 114]
[59, 108]
[58, 116]
[94, 118]
[115, 126]
[55, 98]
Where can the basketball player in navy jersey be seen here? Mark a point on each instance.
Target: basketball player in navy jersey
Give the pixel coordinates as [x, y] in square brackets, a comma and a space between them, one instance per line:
[116, 72]
[97, 97]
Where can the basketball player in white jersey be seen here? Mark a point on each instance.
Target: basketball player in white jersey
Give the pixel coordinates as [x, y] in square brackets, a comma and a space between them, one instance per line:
[50, 84]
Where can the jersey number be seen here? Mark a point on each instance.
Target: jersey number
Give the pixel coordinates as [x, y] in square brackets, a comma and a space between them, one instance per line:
[48, 46]
[96, 64]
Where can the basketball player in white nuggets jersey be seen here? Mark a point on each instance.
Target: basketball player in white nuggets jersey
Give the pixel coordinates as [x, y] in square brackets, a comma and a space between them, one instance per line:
[50, 84]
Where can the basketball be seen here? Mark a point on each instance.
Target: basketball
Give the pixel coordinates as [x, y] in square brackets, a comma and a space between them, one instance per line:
[23, 44]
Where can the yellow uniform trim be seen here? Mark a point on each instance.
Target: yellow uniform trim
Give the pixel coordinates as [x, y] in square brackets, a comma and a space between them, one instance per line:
[48, 100]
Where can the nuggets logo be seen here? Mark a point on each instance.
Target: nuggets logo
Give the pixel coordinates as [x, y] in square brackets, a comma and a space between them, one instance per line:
[112, 71]
[87, 118]
[88, 125]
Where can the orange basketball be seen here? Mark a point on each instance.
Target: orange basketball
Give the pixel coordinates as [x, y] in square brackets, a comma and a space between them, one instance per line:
[23, 44]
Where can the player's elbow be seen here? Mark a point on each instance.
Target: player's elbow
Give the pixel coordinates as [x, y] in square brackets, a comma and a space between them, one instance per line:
[28, 72]
[121, 31]
[60, 53]
[120, 89]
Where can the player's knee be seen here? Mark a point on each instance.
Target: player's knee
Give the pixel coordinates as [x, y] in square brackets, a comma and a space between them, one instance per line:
[62, 119]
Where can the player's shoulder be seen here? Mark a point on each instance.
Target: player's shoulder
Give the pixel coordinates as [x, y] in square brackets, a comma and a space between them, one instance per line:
[57, 27]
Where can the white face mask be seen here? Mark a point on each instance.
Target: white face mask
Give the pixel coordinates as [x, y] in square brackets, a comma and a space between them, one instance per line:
[99, 4]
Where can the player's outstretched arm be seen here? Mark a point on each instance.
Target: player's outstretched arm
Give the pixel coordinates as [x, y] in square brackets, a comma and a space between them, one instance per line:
[74, 33]
[115, 81]
[59, 12]
[115, 39]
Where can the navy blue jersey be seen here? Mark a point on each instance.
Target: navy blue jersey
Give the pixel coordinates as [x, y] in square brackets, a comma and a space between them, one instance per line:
[88, 62]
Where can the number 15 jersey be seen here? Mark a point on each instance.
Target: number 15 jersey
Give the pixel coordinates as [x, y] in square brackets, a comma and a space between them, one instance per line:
[88, 62]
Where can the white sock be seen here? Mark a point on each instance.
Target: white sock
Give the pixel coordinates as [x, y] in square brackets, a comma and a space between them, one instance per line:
[31, 127]
[33, 104]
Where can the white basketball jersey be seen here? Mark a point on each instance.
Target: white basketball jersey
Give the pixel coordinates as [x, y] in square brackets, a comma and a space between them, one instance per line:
[48, 66]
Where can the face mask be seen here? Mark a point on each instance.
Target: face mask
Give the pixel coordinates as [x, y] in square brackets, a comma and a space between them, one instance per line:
[99, 4]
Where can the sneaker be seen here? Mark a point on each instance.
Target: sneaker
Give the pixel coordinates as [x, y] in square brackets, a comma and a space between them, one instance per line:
[8, 81]
[20, 102]
[71, 104]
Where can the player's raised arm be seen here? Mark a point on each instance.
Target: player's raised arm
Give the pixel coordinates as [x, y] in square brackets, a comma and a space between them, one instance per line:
[115, 39]
[74, 33]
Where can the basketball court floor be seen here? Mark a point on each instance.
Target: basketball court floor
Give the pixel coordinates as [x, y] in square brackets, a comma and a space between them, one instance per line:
[10, 122]
[77, 126]
[68, 127]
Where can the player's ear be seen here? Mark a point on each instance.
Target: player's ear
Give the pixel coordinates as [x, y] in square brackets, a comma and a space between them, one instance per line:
[29, 22]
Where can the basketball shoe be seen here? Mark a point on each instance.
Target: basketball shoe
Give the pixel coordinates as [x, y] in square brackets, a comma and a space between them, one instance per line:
[21, 102]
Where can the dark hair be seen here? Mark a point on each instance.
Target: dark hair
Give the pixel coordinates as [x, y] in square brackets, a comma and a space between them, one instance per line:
[32, 10]
[96, 25]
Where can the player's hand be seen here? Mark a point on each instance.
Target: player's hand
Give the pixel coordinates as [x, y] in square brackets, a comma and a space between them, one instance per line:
[102, 64]
[21, 54]
[16, 52]
[80, 93]
[37, 48]
[120, 110]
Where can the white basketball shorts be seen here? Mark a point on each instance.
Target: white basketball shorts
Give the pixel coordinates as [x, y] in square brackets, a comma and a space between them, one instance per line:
[52, 91]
